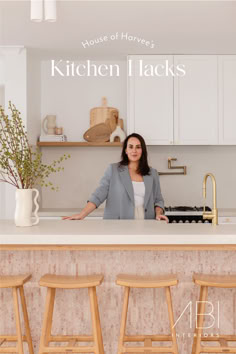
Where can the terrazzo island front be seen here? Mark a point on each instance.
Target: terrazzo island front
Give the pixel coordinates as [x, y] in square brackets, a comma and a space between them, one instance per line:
[120, 246]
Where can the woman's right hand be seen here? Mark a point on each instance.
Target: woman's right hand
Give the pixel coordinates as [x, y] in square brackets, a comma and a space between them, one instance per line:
[73, 217]
[85, 212]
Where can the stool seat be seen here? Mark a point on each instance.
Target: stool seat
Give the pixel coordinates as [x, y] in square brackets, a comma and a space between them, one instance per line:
[146, 281]
[71, 282]
[218, 281]
[10, 281]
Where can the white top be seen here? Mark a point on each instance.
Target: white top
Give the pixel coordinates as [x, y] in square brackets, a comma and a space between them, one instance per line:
[139, 193]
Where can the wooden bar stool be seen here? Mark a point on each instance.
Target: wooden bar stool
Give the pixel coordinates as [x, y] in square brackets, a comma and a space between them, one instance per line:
[53, 282]
[16, 282]
[133, 281]
[216, 281]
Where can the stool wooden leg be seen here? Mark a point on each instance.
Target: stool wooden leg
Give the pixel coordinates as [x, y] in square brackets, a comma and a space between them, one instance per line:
[171, 318]
[101, 347]
[47, 320]
[197, 323]
[123, 320]
[18, 325]
[50, 316]
[201, 320]
[26, 320]
[98, 345]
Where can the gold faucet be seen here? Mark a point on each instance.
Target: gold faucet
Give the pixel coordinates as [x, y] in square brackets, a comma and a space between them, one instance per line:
[212, 215]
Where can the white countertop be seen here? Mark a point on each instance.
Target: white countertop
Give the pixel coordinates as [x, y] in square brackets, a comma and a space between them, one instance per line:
[115, 232]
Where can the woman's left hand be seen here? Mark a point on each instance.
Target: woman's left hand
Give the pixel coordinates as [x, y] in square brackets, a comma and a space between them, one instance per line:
[162, 217]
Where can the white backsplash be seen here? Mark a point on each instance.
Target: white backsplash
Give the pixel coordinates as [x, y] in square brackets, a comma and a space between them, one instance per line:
[87, 165]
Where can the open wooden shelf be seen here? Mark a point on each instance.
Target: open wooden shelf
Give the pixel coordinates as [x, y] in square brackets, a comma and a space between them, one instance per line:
[77, 143]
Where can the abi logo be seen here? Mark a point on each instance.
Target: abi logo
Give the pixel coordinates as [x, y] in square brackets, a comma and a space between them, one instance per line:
[212, 312]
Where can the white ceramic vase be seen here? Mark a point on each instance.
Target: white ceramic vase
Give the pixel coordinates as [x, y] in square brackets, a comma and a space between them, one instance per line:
[50, 122]
[24, 205]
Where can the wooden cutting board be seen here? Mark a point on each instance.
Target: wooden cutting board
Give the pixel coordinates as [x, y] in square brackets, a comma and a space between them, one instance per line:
[99, 133]
[114, 120]
[101, 114]
[121, 123]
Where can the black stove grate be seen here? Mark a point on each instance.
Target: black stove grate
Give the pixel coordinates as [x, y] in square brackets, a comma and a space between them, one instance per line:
[186, 208]
[186, 214]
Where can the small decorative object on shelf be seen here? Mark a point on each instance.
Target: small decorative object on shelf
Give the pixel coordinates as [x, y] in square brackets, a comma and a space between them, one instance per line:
[101, 114]
[103, 123]
[98, 133]
[58, 130]
[118, 133]
[50, 122]
[53, 138]
[21, 165]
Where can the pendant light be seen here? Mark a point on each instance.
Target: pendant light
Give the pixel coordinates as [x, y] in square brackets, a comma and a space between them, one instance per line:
[36, 12]
[50, 10]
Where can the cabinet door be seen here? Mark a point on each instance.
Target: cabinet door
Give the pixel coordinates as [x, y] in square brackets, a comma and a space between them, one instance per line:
[150, 100]
[195, 101]
[227, 99]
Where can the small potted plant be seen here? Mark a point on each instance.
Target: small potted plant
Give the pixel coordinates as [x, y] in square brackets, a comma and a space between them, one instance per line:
[21, 165]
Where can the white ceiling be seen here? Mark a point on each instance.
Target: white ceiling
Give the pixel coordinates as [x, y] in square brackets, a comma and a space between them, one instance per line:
[174, 26]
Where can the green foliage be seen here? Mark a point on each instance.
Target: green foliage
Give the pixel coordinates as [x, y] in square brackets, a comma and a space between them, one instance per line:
[20, 165]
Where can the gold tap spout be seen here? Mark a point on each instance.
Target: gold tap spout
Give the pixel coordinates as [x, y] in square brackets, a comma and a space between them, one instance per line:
[212, 215]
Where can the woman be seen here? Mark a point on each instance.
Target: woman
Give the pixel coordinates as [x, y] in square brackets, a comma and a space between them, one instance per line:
[131, 188]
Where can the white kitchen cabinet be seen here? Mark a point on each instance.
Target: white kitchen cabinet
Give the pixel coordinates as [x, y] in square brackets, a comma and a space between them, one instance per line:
[175, 109]
[196, 101]
[150, 100]
[227, 99]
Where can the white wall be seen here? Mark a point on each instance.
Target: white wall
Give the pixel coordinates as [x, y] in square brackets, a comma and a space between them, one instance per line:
[13, 78]
[33, 96]
[71, 98]
[2, 95]
[2, 82]
[2, 103]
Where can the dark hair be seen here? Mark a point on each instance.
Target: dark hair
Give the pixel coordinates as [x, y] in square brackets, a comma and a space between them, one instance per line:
[143, 167]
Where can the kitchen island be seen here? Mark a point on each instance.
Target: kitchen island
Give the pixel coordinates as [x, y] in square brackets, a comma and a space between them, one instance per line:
[120, 246]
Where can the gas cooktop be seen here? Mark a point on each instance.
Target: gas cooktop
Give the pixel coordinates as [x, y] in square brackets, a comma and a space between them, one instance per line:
[185, 210]
[186, 214]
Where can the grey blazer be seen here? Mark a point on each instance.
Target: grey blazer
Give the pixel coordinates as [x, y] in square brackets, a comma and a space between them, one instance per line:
[117, 188]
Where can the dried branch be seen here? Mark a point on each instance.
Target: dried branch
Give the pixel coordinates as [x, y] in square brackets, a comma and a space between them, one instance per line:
[20, 166]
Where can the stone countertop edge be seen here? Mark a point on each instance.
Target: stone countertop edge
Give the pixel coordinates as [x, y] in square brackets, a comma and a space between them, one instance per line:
[112, 232]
